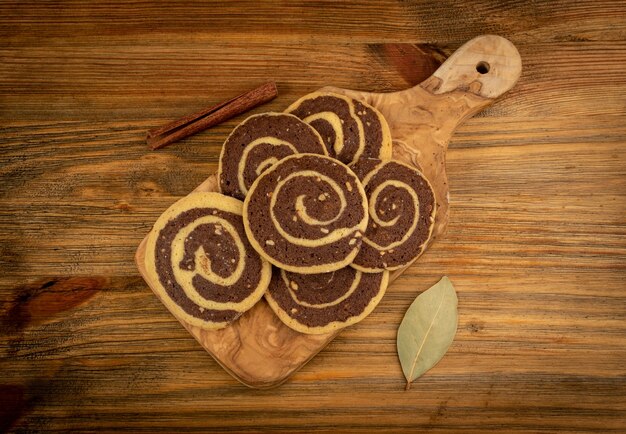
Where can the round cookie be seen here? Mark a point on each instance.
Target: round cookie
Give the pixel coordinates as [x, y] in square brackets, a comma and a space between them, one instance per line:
[201, 262]
[351, 129]
[323, 303]
[401, 214]
[306, 214]
[257, 143]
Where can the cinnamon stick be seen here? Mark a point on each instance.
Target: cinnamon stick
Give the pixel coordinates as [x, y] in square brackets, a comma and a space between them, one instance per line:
[200, 121]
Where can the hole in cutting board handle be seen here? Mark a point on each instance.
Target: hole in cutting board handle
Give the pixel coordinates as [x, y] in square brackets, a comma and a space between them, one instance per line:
[483, 67]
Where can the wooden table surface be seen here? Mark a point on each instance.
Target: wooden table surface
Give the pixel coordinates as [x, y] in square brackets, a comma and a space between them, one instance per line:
[536, 245]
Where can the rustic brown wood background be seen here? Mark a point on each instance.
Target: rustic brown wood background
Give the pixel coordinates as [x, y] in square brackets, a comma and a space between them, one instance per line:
[536, 244]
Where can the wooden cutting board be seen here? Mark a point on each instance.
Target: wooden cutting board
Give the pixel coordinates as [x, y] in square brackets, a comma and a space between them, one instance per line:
[258, 349]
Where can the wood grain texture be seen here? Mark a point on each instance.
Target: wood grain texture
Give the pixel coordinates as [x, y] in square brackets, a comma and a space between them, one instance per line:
[535, 244]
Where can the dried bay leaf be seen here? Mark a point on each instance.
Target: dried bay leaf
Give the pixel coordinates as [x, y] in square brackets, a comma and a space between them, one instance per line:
[427, 329]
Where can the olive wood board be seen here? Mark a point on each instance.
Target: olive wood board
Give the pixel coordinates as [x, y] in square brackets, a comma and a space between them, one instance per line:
[258, 349]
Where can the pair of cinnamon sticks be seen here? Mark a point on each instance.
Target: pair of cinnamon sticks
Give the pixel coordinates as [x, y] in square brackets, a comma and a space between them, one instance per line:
[200, 121]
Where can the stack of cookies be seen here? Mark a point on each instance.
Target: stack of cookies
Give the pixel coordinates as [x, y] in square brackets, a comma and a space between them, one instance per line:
[312, 213]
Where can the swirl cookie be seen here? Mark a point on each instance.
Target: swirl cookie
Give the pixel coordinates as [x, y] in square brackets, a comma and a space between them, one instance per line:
[203, 266]
[350, 129]
[257, 143]
[306, 214]
[322, 303]
[401, 215]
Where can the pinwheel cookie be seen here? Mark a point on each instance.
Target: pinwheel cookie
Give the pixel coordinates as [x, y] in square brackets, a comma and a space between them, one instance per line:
[322, 303]
[351, 129]
[306, 214]
[401, 214]
[257, 143]
[201, 263]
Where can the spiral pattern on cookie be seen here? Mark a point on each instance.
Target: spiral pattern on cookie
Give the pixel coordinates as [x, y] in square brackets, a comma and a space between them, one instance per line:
[306, 214]
[205, 270]
[259, 142]
[321, 303]
[401, 214]
[351, 129]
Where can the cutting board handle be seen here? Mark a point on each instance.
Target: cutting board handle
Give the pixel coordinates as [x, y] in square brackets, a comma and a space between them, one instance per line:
[472, 78]
[486, 66]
